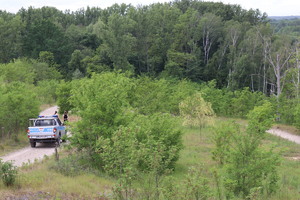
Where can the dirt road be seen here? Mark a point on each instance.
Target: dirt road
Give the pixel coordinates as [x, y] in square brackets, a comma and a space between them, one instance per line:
[285, 135]
[28, 154]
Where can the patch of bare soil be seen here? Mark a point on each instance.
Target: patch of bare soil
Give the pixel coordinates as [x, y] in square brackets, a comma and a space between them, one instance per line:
[46, 196]
[285, 135]
[296, 158]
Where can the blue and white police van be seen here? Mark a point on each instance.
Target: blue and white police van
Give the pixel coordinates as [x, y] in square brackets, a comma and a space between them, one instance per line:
[45, 129]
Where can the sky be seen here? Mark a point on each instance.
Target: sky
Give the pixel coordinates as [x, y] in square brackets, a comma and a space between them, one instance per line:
[271, 7]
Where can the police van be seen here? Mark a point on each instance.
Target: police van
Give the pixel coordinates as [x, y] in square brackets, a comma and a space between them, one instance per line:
[45, 129]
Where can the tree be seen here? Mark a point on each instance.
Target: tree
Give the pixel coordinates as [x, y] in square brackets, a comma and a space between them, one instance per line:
[102, 102]
[19, 103]
[196, 112]
[10, 38]
[75, 62]
[18, 70]
[222, 138]
[211, 27]
[63, 94]
[184, 57]
[118, 41]
[279, 53]
[247, 165]
[233, 37]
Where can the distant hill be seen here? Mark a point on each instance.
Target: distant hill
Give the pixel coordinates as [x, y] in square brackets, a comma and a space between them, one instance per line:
[283, 17]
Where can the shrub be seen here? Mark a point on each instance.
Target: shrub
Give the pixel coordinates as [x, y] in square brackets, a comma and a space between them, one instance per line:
[150, 96]
[102, 103]
[8, 173]
[47, 91]
[63, 94]
[297, 116]
[149, 142]
[18, 104]
[247, 165]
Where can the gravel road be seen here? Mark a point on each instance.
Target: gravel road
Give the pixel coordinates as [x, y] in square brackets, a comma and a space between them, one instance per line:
[285, 135]
[28, 154]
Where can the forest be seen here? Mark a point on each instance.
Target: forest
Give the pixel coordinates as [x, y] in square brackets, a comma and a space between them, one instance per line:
[183, 40]
[149, 85]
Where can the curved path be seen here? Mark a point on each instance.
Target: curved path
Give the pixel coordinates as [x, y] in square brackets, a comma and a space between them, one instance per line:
[30, 155]
[285, 135]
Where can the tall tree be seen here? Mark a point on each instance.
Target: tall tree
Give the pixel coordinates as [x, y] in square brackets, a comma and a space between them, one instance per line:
[279, 52]
[10, 38]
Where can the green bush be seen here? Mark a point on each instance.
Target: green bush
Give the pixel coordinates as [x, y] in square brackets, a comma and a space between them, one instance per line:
[231, 103]
[297, 116]
[102, 102]
[150, 95]
[47, 91]
[18, 103]
[147, 143]
[63, 95]
[287, 110]
[246, 164]
[244, 101]
[8, 173]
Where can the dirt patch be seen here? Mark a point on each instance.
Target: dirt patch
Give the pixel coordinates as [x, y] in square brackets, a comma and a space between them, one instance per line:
[290, 129]
[47, 196]
[285, 135]
[296, 158]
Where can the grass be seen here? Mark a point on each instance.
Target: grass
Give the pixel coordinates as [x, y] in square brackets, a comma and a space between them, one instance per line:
[196, 152]
[15, 142]
[39, 179]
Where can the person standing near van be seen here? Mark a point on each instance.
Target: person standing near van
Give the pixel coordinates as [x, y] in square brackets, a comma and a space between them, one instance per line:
[65, 116]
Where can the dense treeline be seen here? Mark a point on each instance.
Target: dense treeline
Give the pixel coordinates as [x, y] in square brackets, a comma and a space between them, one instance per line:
[197, 40]
[287, 26]
[201, 41]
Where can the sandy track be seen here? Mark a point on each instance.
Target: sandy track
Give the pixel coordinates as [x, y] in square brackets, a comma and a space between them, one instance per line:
[28, 154]
[285, 135]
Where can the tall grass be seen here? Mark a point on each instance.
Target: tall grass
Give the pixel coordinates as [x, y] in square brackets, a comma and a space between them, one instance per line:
[13, 142]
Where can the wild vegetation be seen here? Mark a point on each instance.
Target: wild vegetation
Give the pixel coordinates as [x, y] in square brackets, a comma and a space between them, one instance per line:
[154, 87]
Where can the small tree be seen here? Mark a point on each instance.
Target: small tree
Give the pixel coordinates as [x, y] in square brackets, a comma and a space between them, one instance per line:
[222, 138]
[248, 165]
[196, 111]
